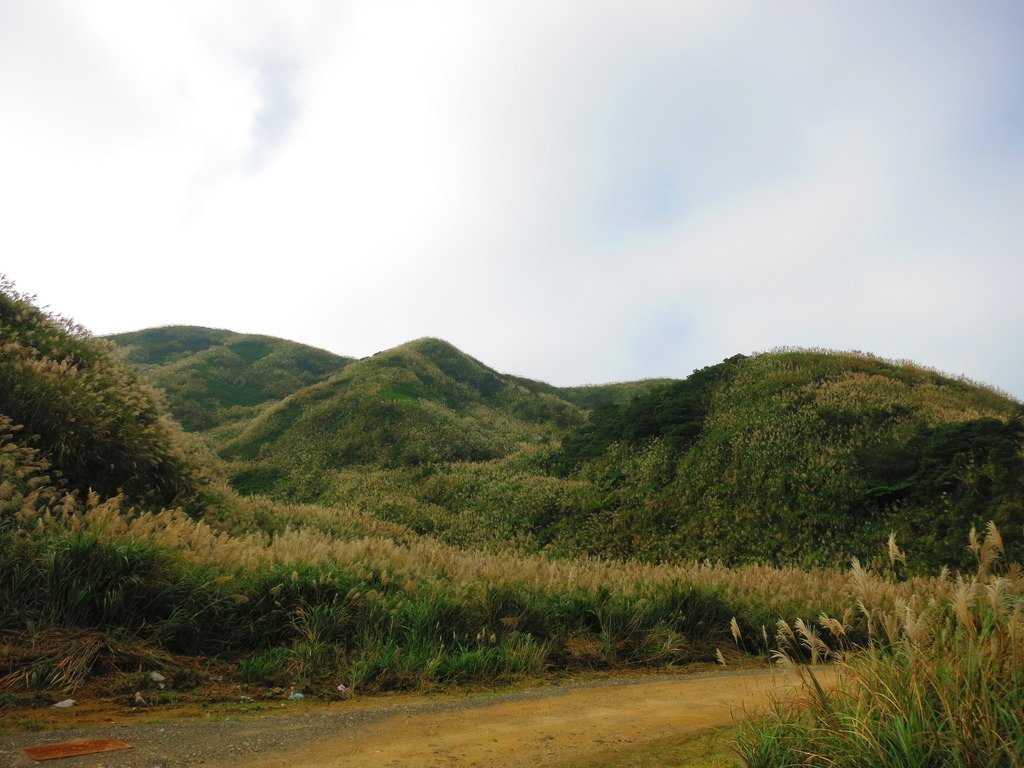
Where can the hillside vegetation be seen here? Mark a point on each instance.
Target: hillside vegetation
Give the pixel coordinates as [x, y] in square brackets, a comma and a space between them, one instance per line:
[83, 415]
[211, 376]
[100, 573]
[458, 505]
[937, 682]
[424, 403]
[794, 456]
[805, 456]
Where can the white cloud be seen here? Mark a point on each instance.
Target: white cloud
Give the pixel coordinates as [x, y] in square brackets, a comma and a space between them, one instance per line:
[572, 191]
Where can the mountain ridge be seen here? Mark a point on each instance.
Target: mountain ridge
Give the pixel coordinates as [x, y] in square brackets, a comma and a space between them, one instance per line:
[214, 375]
[788, 456]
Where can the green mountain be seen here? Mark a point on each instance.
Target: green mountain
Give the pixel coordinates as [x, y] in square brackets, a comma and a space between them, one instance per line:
[421, 403]
[802, 456]
[806, 457]
[74, 417]
[120, 550]
[212, 376]
[589, 396]
[364, 438]
[791, 457]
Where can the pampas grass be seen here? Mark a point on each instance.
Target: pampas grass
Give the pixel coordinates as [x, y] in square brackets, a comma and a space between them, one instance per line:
[939, 682]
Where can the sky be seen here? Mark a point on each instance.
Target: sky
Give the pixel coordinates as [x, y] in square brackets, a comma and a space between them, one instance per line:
[576, 191]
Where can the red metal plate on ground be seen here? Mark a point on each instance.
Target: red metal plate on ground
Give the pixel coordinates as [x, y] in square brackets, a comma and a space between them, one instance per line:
[74, 748]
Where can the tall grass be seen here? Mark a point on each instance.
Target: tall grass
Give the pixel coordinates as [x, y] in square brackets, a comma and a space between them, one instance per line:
[87, 413]
[303, 604]
[93, 546]
[940, 682]
[371, 612]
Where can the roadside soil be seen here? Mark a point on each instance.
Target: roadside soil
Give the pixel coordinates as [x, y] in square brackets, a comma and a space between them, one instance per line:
[535, 727]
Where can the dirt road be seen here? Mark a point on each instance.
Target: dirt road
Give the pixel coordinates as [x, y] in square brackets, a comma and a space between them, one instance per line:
[527, 728]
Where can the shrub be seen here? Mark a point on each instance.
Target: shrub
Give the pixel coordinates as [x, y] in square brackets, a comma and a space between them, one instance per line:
[86, 412]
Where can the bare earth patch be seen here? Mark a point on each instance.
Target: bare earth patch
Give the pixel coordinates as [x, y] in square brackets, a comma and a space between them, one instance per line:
[526, 728]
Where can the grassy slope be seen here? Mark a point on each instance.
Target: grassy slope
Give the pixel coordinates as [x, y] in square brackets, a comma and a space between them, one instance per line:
[797, 456]
[70, 403]
[591, 396]
[812, 456]
[301, 605]
[300, 596]
[349, 599]
[212, 376]
[424, 402]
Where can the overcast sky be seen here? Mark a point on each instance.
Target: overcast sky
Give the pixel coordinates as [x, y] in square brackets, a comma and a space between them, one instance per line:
[571, 190]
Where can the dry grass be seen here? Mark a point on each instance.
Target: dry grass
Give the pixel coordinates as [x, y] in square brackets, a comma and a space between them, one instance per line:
[62, 660]
[392, 550]
[939, 681]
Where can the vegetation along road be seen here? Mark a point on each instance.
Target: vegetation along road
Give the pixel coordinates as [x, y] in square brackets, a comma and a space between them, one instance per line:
[546, 726]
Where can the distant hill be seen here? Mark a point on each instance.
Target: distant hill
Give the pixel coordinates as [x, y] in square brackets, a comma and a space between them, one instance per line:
[803, 456]
[589, 396]
[212, 375]
[795, 456]
[673, 411]
[424, 402]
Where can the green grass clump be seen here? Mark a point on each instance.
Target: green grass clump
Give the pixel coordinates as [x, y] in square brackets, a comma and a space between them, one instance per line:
[77, 581]
[267, 667]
